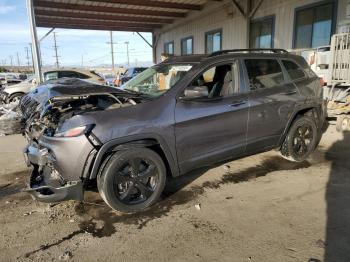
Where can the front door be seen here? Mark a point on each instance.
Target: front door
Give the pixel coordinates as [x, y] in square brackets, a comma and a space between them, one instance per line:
[212, 128]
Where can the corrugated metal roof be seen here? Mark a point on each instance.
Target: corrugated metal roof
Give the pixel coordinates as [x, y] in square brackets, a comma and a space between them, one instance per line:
[117, 15]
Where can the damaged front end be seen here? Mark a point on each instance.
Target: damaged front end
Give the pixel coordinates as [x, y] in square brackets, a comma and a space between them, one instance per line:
[61, 143]
[46, 184]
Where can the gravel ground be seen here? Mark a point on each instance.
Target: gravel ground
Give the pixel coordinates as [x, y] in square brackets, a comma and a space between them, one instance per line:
[260, 208]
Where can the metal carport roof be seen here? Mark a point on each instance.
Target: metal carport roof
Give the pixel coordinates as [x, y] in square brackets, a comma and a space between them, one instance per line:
[111, 15]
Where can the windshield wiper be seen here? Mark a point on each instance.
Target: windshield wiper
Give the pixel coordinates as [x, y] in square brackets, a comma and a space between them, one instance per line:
[138, 94]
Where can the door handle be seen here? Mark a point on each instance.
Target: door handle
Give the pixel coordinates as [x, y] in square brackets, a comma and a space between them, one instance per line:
[291, 92]
[238, 103]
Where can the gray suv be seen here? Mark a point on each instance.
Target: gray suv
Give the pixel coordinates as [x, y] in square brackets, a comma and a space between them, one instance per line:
[182, 114]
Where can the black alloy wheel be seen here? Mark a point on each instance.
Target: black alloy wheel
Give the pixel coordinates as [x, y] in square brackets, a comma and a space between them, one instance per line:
[132, 180]
[135, 181]
[301, 140]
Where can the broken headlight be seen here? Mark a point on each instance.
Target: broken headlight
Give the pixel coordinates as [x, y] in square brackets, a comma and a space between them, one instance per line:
[76, 131]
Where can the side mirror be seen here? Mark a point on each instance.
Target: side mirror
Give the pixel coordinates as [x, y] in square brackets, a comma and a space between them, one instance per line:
[195, 92]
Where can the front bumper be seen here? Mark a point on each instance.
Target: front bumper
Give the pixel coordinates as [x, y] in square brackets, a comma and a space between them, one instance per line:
[46, 183]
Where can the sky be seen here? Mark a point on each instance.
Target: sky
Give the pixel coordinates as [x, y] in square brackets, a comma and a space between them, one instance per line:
[75, 47]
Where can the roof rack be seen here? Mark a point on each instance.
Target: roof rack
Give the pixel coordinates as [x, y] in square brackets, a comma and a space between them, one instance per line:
[257, 50]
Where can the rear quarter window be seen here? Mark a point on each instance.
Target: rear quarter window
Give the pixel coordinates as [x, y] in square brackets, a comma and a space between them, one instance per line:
[294, 71]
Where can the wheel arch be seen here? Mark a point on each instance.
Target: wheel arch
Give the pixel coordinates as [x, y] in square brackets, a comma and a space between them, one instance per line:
[154, 142]
[311, 111]
[15, 94]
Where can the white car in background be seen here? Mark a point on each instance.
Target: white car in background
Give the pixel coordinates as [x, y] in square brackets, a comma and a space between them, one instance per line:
[15, 92]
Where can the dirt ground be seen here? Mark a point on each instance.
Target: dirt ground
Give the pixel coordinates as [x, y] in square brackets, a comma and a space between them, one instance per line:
[260, 208]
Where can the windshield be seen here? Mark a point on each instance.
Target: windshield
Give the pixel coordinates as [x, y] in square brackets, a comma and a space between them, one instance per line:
[157, 80]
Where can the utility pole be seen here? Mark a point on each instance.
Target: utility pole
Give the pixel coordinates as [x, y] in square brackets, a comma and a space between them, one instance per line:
[18, 61]
[56, 47]
[112, 49]
[127, 53]
[27, 56]
[82, 60]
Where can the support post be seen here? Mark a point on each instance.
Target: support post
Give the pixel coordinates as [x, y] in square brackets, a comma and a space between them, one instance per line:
[35, 43]
[247, 18]
[154, 47]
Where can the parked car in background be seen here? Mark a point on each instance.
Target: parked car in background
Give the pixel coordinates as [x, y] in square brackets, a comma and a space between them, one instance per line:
[16, 91]
[88, 75]
[185, 113]
[110, 79]
[129, 74]
[12, 93]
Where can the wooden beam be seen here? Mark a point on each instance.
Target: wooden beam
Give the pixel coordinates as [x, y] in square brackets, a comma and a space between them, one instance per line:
[78, 21]
[93, 27]
[152, 3]
[144, 39]
[106, 9]
[239, 8]
[68, 14]
[252, 13]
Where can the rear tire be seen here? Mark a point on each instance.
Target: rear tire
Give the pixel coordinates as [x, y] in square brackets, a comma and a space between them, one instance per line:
[301, 140]
[132, 180]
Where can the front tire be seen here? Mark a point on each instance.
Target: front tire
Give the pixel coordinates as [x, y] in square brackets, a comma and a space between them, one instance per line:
[132, 180]
[301, 140]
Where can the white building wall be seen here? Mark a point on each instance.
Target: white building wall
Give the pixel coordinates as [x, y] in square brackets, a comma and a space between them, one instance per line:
[223, 15]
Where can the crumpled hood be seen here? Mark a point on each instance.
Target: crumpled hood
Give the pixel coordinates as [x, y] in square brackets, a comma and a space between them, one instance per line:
[37, 99]
[68, 87]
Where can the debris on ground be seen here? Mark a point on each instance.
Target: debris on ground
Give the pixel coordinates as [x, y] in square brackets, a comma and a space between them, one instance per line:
[320, 243]
[197, 206]
[28, 213]
[10, 119]
[227, 167]
[65, 256]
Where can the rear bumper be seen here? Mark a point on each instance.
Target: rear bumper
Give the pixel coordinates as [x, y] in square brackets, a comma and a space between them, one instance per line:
[46, 183]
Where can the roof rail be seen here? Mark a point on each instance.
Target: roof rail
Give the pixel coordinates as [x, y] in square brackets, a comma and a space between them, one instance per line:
[257, 50]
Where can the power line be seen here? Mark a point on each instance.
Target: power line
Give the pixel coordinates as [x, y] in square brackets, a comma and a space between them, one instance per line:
[112, 48]
[18, 61]
[27, 56]
[127, 53]
[56, 47]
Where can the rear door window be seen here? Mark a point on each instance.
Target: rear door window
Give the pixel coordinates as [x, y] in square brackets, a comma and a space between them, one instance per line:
[294, 71]
[263, 73]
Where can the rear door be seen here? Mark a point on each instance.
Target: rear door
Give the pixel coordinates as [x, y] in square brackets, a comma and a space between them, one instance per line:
[272, 99]
[213, 128]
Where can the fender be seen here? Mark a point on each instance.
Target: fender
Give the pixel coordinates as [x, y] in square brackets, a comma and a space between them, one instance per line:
[300, 108]
[141, 140]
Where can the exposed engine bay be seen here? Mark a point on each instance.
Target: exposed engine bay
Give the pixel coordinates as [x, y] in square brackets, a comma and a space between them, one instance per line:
[45, 111]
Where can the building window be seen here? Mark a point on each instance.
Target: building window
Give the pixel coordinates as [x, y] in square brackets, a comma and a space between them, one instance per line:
[213, 41]
[169, 48]
[187, 46]
[314, 25]
[262, 33]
